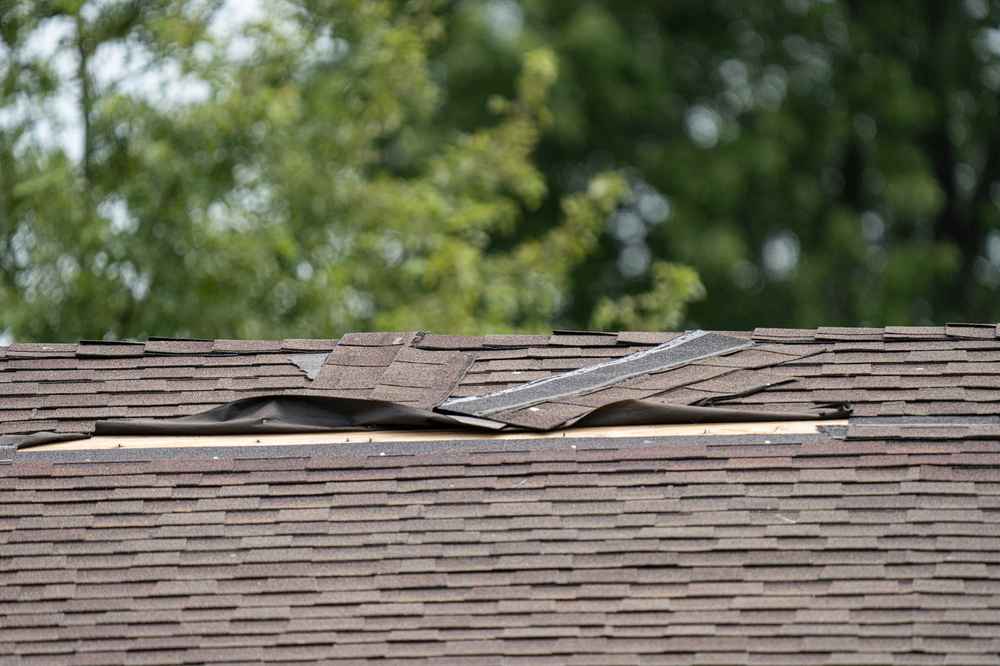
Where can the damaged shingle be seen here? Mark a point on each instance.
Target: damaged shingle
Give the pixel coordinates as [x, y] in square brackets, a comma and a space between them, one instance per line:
[910, 371]
[682, 350]
[310, 364]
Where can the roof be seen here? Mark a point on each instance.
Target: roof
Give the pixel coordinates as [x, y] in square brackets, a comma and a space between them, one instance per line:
[875, 543]
[947, 371]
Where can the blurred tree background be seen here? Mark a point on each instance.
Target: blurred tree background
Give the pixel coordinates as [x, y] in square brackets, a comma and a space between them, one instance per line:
[264, 168]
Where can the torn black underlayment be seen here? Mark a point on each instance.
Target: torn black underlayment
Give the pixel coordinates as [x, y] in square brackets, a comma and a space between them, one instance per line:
[292, 414]
[690, 347]
[285, 414]
[643, 412]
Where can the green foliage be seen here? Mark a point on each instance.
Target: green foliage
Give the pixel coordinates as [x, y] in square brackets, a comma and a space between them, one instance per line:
[309, 189]
[498, 165]
[826, 162]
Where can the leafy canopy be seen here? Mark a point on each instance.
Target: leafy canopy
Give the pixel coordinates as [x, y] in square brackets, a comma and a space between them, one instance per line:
[293, 178]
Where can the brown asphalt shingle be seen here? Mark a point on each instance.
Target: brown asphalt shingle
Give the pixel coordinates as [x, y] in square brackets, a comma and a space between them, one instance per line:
[731, 551]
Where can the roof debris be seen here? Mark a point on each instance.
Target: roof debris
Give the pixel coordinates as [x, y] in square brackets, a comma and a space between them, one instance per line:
[527, 381]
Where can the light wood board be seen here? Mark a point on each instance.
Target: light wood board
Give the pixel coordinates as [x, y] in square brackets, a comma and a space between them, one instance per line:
[361, 436]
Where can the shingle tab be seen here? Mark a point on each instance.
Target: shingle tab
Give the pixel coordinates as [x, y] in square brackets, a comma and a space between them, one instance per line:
[973, 331]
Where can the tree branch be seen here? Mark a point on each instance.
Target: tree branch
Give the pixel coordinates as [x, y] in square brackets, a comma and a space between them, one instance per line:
[86, 102]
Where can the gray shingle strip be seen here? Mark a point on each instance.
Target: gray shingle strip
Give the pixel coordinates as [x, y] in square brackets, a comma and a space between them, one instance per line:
[685, 349]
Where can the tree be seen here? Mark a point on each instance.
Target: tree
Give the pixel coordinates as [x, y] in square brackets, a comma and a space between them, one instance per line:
[822, 162]
[499, 164]
[291, 179]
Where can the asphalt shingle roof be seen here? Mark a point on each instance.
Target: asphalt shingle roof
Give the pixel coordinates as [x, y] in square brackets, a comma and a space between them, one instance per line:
[896, 371]
[878, 543]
